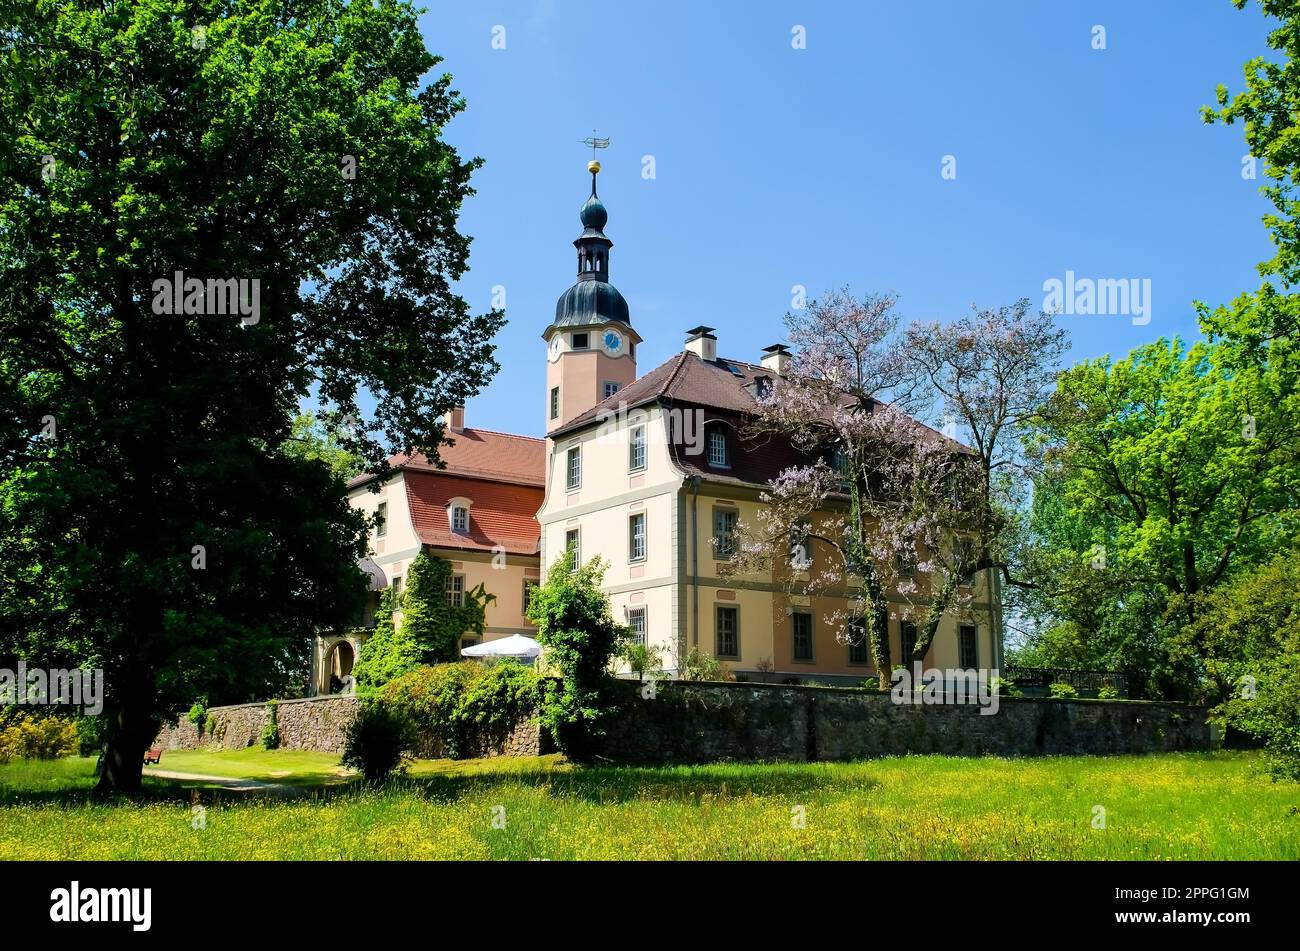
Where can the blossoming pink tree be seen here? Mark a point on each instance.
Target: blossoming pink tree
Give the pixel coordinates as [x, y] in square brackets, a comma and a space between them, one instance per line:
[896, 506]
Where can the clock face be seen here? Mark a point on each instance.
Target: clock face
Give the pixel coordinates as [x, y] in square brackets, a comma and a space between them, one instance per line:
[555, 347]
[613, 342]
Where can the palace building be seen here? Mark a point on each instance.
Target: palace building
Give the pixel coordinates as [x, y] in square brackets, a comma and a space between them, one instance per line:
[652, 473]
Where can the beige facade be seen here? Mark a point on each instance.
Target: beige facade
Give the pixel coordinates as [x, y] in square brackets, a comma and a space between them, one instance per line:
[688, 599]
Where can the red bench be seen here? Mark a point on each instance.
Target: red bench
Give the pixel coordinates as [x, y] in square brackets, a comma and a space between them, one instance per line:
[153, 755]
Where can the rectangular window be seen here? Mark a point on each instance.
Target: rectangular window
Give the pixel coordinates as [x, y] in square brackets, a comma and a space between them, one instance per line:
[636, 621]
[727, 626]
[717, 448]
[381, 519]
[636, 448]
[610, 388]
[555, 402]
[580, 341]
[842, 467]
[575, 467]
[397, 584]
[968, 642]
[908, 632]
[859, 652]
[529, 587]
[573, 547]
[802, 635]
[460, 519]
[724, 533]
[456, 590]
[636, 537]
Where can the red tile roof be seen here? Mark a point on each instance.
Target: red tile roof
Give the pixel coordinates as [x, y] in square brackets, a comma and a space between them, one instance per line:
[480, 454]
[499, 514]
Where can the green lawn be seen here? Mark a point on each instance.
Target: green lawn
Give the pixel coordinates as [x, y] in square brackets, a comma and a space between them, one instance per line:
[1182, 806]
[293, 767]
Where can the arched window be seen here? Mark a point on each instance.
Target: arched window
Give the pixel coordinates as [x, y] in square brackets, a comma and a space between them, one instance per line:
[458, 515]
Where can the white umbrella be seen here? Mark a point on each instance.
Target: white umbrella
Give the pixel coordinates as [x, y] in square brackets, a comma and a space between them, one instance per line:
[516, 645]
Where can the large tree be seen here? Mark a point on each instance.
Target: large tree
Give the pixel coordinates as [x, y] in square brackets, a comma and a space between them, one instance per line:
[152, 522]
[1168, 471]
[898, 508]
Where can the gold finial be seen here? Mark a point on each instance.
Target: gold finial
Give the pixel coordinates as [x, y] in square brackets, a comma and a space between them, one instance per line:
[593, 166]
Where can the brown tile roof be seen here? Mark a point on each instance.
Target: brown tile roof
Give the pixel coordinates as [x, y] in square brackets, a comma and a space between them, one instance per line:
[723, 390]
[499, 514]
[481, 454]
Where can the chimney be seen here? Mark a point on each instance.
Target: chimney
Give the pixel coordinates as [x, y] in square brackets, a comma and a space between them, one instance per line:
[777, 359]
[457, 418]
[701, 342]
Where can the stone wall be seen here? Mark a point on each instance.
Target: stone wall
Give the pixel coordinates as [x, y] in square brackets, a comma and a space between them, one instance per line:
[705, 722]
[317, 723]
[696, 723]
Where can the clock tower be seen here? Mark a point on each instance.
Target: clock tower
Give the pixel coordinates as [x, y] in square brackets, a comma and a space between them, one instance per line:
[590, 346]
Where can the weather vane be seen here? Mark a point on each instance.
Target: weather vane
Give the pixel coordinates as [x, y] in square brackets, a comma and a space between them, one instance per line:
[594, 143]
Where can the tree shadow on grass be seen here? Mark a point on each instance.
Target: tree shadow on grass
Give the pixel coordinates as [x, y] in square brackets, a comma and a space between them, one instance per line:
[602, 784]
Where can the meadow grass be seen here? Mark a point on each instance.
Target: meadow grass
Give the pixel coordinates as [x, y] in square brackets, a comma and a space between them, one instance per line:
[1173, 806]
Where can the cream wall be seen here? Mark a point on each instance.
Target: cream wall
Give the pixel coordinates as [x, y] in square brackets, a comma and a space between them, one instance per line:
[503, 577]
[609, 493]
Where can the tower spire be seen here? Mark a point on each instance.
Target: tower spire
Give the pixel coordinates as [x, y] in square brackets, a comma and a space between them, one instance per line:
[593, 247]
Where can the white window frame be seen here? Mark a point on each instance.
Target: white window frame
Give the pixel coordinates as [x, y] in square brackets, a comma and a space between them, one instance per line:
[639, 611]
[573, 468]
[721, 459]
[633, 554]
[381, 519]
[576, 559]
[456, 590]
[460, 519]
[636, 446]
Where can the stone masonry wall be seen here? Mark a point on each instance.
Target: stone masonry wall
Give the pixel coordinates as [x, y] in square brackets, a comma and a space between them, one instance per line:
[705, 722]
[317, 723]
[695, 723]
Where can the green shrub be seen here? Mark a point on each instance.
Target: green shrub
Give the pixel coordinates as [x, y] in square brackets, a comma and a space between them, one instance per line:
[493, 704]
[644, 660]
[1004, 687]
[701, 666]
[580, 635]
[197, 714]
[377, 742]
[271, 732]
[1249, 633]
[454, 709]
[1062, 691]
[30, 736]
[429, 699]
[1108, 692]
[388, 653]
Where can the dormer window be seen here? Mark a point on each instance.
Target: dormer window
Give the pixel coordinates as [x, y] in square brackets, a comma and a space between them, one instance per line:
[458, 516]
[718, 448]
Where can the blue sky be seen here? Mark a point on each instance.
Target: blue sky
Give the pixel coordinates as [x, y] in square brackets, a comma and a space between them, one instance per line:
[822, 166]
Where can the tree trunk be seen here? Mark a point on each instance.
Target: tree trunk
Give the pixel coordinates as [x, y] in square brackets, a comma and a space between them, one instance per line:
[129, 734]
